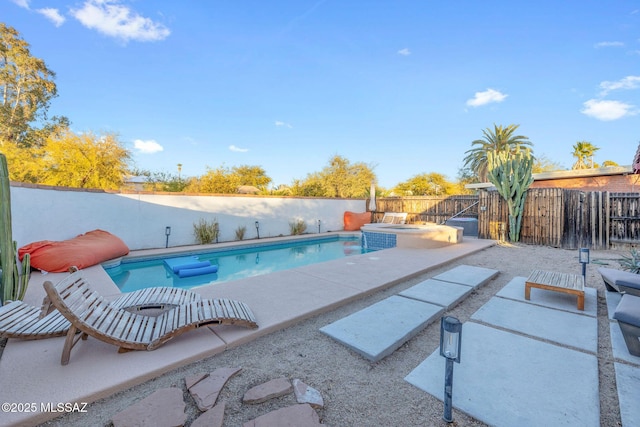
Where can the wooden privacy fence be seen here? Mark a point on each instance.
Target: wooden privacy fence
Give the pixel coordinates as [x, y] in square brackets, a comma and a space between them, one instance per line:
[557, 217]
[624, 217]
[436, 209]
[565, 218]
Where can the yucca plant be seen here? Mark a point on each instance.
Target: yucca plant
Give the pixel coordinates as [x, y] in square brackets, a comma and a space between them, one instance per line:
[206, 231]
[240, 232]
[297, 227]
[631, 262]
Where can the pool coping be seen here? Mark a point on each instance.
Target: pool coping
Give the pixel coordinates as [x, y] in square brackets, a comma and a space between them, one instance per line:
[278, 300]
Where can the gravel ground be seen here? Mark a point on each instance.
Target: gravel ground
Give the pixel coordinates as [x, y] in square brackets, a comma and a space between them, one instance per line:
[355, 391]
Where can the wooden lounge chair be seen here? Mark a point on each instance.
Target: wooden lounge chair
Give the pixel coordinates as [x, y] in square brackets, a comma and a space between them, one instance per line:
[394, 218]
[23, 321]
[90, 314]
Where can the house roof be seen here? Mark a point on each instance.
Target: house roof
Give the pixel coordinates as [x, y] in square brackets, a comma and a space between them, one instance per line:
[573, 173]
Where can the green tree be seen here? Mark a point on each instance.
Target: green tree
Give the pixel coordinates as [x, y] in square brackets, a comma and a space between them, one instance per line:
[608, 163]
[82, 161]
[224, 180]
[544, 164]
[340, 178]
[499, 139]
[27, 87]
[583, 151]
[426, 184]
[161, 181]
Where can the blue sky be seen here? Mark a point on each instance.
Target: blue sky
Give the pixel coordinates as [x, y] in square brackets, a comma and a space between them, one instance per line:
[403, 86]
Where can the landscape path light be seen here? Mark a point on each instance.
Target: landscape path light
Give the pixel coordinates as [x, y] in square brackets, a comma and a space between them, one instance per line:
[167, 233]
[258, 229]
[584, 260]
[450, 348]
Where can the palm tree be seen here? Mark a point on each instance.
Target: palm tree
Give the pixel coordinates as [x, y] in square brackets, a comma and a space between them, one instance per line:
[583, 151]
[498, 139]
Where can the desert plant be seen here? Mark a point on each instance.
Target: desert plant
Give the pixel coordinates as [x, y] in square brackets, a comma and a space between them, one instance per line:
[13, 283]
[206, 231]
[511, 175]
[297, 227]
[631, 262]
[240, 232]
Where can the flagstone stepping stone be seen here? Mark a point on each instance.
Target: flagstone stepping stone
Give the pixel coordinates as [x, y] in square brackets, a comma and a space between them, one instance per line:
[205, 391]
[291, 416]
[162, 408]
[211, 418]
[306, 394]
[269, 390]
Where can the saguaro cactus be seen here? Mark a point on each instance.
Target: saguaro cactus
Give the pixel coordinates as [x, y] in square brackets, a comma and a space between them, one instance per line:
[511, 174]
[12, 284]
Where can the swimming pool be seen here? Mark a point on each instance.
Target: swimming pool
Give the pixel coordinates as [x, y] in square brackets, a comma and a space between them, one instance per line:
[234, 264]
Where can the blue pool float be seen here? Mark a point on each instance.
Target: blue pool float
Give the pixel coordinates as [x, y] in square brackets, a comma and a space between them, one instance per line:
[198, 271]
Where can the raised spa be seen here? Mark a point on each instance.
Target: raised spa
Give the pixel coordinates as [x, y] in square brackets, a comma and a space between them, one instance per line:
[409, 236]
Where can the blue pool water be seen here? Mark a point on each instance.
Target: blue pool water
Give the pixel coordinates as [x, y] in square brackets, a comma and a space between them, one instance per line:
[235, 264]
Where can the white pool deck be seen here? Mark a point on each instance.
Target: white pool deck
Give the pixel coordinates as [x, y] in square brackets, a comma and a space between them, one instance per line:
[30, 371]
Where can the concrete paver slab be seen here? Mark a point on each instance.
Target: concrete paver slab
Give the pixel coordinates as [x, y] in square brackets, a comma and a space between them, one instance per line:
[515, 290]
[378, 330]
[628, 381]
[468, 275]
[562, 327]
[505, 379]
[446, 294]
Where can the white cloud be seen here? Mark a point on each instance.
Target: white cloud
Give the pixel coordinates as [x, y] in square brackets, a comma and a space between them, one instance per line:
[52, 15]
[608, 44]
[627, 83]
[280, 124]
[22, 3]
[147, 147]
[115, 20]
[607, 110]
[404, 52]
[486, 97]
[238, 149]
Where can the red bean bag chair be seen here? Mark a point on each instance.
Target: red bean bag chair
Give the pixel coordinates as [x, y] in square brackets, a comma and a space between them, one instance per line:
[353, 220]
[82, 251]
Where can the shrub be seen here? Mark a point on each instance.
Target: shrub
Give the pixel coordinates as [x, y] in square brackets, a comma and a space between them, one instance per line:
[206, 232]
[297, 227]
[240, 232]
[631, 262]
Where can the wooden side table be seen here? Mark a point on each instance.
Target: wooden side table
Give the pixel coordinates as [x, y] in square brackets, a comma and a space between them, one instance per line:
[558, 282]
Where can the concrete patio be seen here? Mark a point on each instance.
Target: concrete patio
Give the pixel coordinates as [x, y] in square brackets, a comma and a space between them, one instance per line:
[517, 365]
[278, 300]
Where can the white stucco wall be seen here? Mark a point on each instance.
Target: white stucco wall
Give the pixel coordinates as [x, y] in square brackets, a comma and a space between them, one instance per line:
[140, 219]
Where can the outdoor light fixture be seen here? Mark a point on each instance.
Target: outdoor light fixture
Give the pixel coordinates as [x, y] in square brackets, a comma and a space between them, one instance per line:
[583, 256]
[450, 346]
[258, 229]
[167, 232]
[318, 226]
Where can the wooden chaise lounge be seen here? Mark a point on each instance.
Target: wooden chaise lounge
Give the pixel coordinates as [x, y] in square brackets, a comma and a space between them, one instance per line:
[23, 321]
[90, 314]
